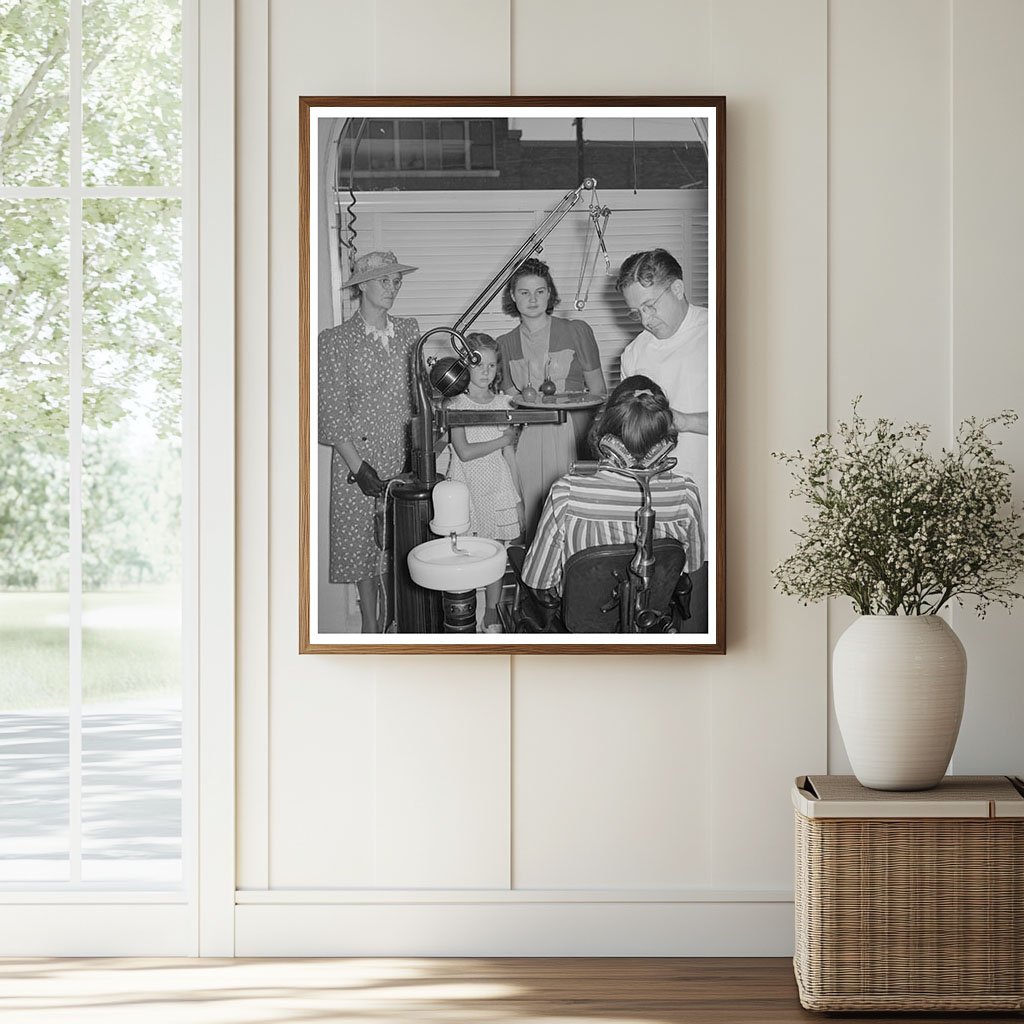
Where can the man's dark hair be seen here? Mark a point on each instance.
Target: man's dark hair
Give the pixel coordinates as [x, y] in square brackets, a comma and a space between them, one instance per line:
[648, 268]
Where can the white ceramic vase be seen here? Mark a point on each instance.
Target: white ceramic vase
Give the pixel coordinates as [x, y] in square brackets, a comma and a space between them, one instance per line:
[898, 684]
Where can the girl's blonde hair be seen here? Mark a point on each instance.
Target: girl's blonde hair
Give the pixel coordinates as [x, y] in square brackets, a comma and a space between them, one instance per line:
[480, 342]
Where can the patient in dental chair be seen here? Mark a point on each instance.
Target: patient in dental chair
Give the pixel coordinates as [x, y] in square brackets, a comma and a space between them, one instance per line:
[586, 510]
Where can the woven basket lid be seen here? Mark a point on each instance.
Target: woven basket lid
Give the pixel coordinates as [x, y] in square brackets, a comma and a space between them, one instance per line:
[957, 796]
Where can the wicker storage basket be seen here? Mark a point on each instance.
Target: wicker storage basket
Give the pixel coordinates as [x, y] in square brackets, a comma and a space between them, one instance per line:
[910, 901]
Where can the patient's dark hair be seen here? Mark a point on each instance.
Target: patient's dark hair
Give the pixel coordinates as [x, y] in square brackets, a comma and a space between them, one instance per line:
[638, 413]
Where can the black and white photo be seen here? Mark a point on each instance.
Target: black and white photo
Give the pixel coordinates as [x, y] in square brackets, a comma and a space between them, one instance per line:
[512, 375]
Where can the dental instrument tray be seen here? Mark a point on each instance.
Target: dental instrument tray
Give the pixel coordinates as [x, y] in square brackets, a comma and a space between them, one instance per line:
[501, 417]
[565, 400]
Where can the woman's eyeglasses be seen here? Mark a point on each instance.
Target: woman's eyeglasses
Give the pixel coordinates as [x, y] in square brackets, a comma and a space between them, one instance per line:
[649, 307]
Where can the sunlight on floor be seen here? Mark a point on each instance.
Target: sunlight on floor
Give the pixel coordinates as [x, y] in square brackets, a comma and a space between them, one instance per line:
[359, 991]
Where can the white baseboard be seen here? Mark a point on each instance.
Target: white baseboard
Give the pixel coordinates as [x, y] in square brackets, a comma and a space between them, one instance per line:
[514, 928]
[98, 928]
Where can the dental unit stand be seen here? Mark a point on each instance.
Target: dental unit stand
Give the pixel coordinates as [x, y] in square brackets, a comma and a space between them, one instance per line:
[635, 612]
[418, 610]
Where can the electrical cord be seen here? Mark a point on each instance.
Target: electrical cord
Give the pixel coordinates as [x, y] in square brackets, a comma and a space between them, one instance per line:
[382, 565]
[349, 228]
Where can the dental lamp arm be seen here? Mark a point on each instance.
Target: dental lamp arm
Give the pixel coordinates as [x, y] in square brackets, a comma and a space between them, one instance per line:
[424, 462]
[530, 246]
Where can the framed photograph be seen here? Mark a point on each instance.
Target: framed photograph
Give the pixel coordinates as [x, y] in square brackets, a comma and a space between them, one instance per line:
[512, 375]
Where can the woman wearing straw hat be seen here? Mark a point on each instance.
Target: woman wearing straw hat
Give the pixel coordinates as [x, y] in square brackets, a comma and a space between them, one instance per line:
[365, 404]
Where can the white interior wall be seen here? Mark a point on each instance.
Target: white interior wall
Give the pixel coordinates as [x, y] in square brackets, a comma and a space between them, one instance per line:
[543, 805]
[985, 362]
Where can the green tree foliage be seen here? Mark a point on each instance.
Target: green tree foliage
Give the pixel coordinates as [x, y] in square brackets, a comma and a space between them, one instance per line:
[131, 509]
[34, 322]
[131, 92]
[132, 313]
[34, 76]
[131, 292]
[33, 515]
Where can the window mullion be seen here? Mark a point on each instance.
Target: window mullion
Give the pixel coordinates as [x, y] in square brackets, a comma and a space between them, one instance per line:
[75, 332]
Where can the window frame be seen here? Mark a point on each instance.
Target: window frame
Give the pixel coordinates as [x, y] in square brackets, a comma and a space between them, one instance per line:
[76, 918]
[464, 169]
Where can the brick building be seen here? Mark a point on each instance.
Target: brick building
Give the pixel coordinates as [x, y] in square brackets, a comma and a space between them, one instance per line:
[455, 154]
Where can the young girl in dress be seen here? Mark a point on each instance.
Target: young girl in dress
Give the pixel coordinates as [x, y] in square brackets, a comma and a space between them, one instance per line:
[483, 457]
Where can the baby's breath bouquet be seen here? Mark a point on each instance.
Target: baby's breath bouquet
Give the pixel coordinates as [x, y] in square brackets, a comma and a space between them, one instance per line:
[900, 530]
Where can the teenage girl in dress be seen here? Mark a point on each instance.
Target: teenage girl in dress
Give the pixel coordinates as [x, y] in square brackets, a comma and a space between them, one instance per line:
[483, 457]
[545, 347]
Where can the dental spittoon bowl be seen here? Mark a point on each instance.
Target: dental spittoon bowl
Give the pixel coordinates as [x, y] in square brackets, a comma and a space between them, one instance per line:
[477, 562]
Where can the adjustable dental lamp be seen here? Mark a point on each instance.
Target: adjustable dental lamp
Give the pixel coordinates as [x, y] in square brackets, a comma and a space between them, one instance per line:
[418, 610]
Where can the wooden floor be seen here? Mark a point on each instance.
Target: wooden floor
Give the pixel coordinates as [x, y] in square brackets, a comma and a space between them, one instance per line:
[383, 991]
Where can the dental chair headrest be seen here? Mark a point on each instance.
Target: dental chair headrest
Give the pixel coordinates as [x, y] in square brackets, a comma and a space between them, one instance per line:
[617, 456]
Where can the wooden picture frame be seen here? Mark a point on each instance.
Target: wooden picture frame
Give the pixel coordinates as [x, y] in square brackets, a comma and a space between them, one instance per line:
[445, 198]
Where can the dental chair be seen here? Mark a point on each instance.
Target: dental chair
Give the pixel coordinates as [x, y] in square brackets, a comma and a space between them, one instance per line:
[614, 588]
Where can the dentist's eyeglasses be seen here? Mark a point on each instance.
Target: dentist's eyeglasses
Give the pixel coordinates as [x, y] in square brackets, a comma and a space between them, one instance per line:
[647, 308]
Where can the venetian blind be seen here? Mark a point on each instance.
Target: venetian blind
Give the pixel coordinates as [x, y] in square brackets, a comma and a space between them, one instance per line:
[459, 240]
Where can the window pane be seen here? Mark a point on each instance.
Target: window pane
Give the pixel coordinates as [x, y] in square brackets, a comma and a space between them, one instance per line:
[34, 804]
[380, 141]
[33, 92]
[453, 145]
[33, 540]
[410, 146]
[362, 155]
[131, 541]
[131, 92]
[33, 395]
[131, 746]
[481, 145]
[432, 145]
